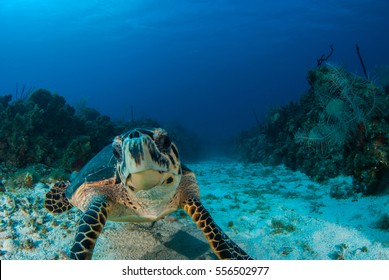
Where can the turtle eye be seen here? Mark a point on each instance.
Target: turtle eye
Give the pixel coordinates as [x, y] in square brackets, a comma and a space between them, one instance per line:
[117, 152]
[164, 142]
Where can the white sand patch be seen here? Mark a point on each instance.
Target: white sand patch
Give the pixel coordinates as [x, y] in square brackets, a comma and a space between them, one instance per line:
[271, 212]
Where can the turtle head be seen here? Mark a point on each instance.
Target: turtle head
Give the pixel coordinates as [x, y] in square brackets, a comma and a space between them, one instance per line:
[147, 158]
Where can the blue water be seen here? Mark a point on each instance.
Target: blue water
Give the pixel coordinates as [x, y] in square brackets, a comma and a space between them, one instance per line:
[207, 64]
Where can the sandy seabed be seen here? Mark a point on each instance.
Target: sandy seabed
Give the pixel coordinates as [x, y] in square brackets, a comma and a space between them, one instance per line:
[271, 212]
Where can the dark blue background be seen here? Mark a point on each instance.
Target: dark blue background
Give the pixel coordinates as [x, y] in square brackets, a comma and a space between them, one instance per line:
[207, 64]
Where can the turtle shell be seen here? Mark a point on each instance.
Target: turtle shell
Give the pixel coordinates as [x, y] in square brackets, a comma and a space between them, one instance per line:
[100, 167]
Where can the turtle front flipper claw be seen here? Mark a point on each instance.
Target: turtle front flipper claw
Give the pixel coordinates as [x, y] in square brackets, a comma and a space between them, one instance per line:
[89, 227]
[220, 243]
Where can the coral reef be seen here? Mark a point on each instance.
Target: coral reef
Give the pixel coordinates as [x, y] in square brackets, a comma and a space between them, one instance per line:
[339, 127]
[42, 128]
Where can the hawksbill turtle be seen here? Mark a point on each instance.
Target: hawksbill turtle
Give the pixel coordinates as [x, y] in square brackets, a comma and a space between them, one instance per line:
[139, 178]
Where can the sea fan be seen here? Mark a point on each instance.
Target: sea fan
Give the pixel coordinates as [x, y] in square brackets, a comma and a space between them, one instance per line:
[344, 101]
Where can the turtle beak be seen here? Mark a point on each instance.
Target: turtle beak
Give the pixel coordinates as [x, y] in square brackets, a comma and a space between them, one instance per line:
[140, 154]
[147, 160]
[146, 180]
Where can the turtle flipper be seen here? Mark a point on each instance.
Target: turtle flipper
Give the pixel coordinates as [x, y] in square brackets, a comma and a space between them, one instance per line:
[220, 243]
[55, 200]
[89, 227]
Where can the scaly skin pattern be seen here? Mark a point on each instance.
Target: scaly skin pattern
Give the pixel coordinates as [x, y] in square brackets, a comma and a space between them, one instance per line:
[89, 227]
[56, 201]
[220, 243]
